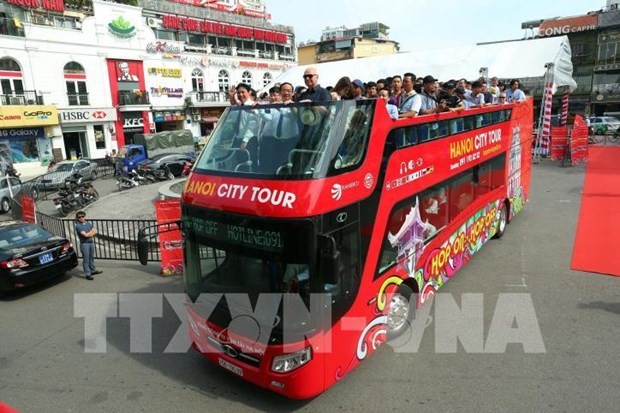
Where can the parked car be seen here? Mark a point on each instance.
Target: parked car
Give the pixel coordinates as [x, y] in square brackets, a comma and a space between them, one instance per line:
[600, 125]
[175, 162]
[29, 254]
[56, 178]
[6, 194]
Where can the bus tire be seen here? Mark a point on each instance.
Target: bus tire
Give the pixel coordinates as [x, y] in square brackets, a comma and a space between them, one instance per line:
[502, 221]
[401, 311]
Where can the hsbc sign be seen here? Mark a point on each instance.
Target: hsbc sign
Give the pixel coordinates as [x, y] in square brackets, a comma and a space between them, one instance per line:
[86, 115]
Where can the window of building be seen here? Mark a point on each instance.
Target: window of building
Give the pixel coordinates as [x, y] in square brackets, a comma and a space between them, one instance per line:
[99, 136]
[75, 80]
[267, 79]
[11, 82]
[197, 80]
[223, 81]
[246, 78]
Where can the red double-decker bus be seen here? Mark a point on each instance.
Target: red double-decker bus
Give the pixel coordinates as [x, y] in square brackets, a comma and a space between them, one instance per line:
[338, 200]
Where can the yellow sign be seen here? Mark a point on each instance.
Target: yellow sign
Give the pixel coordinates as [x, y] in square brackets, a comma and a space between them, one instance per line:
[35, 115]
[165, 72]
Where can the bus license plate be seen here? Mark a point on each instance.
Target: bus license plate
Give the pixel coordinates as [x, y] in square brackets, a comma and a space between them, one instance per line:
[231, 367]
[45, 258]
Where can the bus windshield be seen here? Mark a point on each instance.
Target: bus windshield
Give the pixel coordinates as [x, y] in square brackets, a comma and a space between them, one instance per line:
[295, 141]
[233, 254]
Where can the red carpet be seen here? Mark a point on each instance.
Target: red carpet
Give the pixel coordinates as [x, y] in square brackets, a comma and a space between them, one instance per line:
[599, 217]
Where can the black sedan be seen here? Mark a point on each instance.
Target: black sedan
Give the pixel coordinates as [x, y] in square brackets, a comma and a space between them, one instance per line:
[175, 162]
[29, 254]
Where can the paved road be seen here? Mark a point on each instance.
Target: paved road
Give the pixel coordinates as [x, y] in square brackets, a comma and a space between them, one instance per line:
[44, 368]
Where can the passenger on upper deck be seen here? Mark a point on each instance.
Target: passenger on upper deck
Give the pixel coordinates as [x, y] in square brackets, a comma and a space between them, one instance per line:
[409, 102]
[397, 89]
[371, 90]
[241, 95]
[430, 104]
[343, 88]
[476, 98]
[514, 94]
[286, 93]
[392, 110]
[357, 89]
[314, 93]
[274, 95]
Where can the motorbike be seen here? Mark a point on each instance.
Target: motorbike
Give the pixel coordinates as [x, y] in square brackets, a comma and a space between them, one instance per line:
[75, 194]
[67, 203]
[162, 173]
[132, 180]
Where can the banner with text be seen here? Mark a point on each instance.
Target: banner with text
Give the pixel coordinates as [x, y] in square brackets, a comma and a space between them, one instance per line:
[170, 242]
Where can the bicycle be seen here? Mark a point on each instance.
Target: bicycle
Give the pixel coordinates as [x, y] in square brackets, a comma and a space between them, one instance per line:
[615, 137]
[598, 134]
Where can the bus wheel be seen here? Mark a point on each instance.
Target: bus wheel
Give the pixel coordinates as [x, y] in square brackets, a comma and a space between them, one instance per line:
[503, 221]
[400, 312]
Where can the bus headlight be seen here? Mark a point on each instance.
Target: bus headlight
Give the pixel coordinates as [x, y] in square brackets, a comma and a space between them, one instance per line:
[291, 361]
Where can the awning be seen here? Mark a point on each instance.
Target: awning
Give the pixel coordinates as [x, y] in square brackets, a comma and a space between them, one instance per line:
[506, 60]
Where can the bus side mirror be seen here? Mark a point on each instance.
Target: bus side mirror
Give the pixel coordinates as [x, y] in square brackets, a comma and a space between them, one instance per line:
[329, 259]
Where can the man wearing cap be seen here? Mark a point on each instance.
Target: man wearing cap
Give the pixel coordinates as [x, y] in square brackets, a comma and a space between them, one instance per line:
[409, 102]
[429, 97]
[314, 93]
[462, 95]
[450, 99]
[357, 89]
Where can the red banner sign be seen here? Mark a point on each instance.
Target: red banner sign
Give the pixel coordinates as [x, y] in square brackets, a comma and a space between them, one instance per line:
[560, 27]
[579, 141]
[224, 29]
[236, 7]
[52, 5]
[170, 242]
[28, 211]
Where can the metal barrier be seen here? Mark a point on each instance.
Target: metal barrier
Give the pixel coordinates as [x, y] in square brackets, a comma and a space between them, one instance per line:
[116, 238]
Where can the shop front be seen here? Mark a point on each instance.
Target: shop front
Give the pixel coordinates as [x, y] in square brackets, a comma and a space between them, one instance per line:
[169, 120]
[87, 133]
[208, 120]
[133, 123]
[25, 133]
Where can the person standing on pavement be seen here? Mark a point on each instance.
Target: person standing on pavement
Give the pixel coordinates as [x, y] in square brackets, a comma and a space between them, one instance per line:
[86, 233]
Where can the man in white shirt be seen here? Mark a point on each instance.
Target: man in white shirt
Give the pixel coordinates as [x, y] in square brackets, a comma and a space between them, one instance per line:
[514, 94]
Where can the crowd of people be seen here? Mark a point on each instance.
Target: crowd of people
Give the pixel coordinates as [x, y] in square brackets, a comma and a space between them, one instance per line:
[405, 95]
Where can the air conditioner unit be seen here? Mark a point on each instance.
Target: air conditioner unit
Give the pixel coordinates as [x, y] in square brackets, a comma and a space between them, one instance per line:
[154, 23]
[195, 111]
[613, 6]
[196, 118]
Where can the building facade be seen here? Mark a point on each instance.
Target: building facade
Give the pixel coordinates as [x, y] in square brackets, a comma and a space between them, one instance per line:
[91, 79]
[341, 43]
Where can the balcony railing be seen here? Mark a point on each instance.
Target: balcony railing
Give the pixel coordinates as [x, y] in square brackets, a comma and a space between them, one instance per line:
[202, 96]
[27, 97]
[133, 97]
[80, 99]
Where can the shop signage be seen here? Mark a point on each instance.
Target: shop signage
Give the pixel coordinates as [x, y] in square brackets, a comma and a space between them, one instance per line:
[253, 8]
[254, 64]
[222, 62]
[223, 29]
[22, 133]
[121, 28]
[193, 61]
[560, 27]
[165, 72]
[86, 115]
[162, 47]
[51, 5]
[129, 123]
[168, 116]
[28, 116]
[171, 92]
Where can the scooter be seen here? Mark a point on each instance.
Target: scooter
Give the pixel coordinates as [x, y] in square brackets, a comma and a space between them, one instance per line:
[162, 173]
[67, 203]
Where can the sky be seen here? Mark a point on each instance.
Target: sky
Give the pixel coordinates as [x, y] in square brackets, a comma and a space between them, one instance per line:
[425, 24]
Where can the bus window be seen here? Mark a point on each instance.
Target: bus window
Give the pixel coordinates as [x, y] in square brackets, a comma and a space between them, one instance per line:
[434, 208]
[461, 193]
[479, 121]
[352, 147]
[497, 171]
[482, 179]
[456, 126]
[469, 123]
